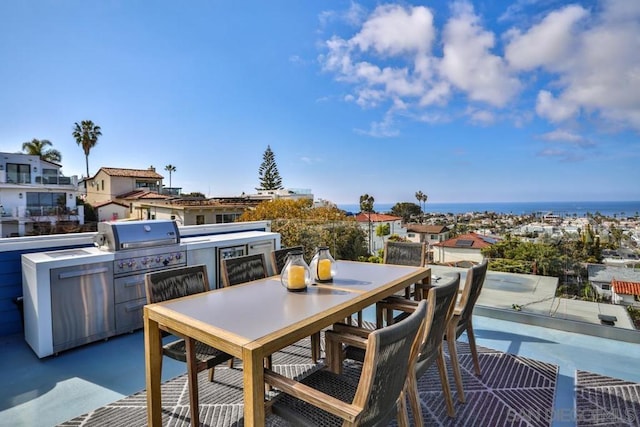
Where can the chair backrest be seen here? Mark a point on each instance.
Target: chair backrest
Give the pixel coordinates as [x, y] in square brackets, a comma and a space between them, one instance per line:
[472, 287]
[390, 355]
[279, 257]
[242, 269]
[405, 253]
[445, 301]
[175, 283]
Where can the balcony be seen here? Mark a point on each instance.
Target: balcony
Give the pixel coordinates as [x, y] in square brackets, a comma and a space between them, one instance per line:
[44, 392]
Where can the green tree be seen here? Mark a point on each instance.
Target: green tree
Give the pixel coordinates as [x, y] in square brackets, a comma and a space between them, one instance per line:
[170, 169]
[38, 147]
[268, 172]
[86, 134]
[405, 210]
[422, 199]
[299, 223]
[366, 205]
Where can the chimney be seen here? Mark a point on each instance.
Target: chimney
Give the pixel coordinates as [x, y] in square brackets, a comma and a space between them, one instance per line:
[152, 169]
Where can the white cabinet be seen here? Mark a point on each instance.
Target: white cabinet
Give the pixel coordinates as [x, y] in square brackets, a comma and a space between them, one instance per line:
[208, 250]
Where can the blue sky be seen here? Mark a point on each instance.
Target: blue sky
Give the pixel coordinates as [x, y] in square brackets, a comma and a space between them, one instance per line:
[482, 101]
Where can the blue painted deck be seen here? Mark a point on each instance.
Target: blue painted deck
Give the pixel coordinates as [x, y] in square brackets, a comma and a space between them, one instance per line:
[45, 392]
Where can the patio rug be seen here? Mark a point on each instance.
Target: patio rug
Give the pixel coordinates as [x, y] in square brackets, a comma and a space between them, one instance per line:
[606, 401]
[511, 391]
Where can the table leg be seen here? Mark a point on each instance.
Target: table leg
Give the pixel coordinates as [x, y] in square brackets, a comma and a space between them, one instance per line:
[192, 372]
[253, 378]
[153, 370]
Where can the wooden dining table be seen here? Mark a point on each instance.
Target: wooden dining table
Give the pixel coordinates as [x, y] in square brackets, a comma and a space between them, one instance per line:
[256, 319]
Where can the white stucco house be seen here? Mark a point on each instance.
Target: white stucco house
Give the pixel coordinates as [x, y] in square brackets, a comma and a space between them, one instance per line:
[35, 196]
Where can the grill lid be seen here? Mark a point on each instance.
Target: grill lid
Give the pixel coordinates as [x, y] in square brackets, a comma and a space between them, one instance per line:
[123, 235]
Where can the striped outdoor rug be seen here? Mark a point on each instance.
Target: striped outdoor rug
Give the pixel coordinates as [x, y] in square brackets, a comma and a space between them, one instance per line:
[606, 401]
[511, 391]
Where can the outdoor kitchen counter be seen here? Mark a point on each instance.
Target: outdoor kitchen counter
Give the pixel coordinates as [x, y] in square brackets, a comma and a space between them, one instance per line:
[52, 283]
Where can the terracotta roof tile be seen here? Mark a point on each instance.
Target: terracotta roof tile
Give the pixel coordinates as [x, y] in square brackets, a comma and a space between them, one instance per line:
[109, 202]
[142, 194]
[429, 229]
[375, 217]
[627, 288]
[132, 173]
[465, 241]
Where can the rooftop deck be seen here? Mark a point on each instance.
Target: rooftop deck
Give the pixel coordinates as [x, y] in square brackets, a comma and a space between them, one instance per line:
[46, 392]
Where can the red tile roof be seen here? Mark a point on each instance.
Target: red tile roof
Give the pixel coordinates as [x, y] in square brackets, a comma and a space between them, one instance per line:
[472, 241]
[142, 194]
[627, 288]
[132, 173]
[109, 202]
[375, 217]
[429, 229]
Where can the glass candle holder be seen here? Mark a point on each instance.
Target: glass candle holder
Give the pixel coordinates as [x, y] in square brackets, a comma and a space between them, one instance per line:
[323, 266]
[295, 275]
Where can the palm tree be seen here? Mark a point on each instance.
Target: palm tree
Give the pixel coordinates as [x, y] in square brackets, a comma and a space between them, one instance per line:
[86, 134]
[422, 198]
[170, 169]
[38, 147]
[366, 205]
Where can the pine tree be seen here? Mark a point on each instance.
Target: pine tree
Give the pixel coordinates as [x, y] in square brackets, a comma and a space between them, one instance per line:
[268, 172]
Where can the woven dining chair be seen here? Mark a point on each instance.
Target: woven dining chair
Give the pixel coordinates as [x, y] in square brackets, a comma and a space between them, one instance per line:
[175, 283]
[462, 321]
[373, 398]
[279, 257]
[431, 349]
[242, 269]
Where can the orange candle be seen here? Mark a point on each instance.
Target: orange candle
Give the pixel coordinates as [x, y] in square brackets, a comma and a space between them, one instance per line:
[296, 279]
[324, 269]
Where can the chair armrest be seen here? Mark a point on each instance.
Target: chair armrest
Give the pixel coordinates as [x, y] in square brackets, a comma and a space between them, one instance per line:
[312, 396]
[400, 304]
[346, 338]
[343, 328]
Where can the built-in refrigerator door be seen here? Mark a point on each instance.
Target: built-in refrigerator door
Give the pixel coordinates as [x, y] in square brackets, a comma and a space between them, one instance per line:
[225, 253]
[263, 247]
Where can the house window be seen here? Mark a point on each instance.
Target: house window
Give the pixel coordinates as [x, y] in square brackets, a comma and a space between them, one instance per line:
[221, 218]
[49, 176]
[46, 203]
[199, 219]
[18, 174]
[102, 184]
[411, 235]
[606, 286]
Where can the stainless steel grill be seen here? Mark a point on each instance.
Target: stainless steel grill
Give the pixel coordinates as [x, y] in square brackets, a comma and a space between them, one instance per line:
[138, 247]
[141, 246]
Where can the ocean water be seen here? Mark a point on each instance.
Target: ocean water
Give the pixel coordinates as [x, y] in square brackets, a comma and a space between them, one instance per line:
[611, 209]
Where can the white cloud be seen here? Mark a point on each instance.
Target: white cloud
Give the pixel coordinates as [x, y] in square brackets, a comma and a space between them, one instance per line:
[546, 43]
[468, 62]
[556, 110]
[580, 64]
[393, 30]
[562, 135]
[596, 65]
[480, 116]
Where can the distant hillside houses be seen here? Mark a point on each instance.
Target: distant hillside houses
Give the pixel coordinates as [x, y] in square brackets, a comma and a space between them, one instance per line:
[466, 247]
[620, 284]
[370, 222]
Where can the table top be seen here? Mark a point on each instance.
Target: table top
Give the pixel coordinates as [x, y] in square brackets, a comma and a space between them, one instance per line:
[263, 310]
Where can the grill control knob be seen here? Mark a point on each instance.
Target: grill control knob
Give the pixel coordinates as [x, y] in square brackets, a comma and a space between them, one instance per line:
[158, 258]
[178, 255]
